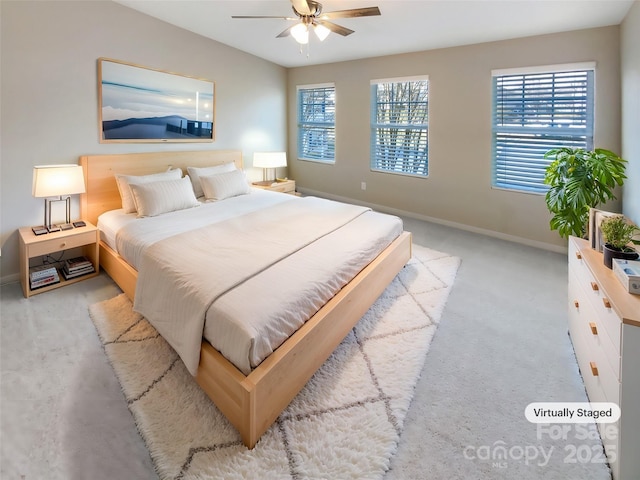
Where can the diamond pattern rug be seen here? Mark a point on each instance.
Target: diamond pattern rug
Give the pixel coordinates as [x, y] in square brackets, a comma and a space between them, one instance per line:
[345, 423]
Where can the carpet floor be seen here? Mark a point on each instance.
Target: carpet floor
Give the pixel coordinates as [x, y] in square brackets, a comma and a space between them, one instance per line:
[501, 344]
[345, 423]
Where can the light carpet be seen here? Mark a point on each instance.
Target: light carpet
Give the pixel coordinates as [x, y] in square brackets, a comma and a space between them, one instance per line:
[344, 424]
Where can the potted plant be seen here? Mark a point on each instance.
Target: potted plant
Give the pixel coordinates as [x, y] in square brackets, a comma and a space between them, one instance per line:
[579, 179]
[617, 234]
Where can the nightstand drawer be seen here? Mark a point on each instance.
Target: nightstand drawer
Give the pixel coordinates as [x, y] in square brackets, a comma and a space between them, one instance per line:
[286, 186]
[283, 188]
[62, 243]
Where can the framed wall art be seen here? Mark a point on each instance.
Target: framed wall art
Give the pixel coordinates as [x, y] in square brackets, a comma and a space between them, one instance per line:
[594, 231]
[139, 104]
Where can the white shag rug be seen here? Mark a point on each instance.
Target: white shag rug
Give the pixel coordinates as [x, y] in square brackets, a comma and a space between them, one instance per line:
[345, 423]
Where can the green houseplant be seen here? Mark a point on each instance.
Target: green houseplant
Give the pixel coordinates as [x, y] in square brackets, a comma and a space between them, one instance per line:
[617, 234]
[579, 179]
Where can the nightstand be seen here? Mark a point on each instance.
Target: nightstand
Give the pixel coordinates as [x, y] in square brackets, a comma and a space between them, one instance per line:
[288, 186]
[32, 246]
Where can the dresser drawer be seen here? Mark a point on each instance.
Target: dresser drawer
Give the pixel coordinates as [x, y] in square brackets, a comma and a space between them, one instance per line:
[608, 319]
[602, 308]
[584, 319]
[577, 261]
[62, 243]
[601, 383]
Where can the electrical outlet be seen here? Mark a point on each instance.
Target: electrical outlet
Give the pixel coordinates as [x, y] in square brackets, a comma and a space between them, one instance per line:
[363, 185]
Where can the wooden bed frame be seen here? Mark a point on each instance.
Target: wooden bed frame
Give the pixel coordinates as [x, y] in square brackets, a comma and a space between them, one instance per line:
[251, 402]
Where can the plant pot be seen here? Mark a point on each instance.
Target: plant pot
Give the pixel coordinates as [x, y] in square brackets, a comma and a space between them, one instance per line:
[610, 253]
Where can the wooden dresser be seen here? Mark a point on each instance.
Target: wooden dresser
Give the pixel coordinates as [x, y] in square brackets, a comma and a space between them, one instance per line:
[604, 324]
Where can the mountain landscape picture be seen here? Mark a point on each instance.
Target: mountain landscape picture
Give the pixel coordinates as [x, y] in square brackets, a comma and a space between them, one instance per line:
[138, 104]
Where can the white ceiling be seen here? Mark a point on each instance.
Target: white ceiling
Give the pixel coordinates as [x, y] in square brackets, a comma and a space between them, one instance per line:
[404, 26]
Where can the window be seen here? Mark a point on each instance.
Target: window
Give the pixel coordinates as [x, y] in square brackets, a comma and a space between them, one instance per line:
[317, 123]
[535, 111]
[399, 126]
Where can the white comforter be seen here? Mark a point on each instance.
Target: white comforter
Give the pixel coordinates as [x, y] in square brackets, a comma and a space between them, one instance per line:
[248, 322]
[181, 276]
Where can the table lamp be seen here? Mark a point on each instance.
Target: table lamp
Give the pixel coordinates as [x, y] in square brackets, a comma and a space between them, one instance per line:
[269, 160]
[56, 181]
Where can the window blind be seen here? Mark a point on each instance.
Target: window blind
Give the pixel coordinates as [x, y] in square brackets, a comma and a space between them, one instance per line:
[533, 113]
[316, 123]
[399, 128]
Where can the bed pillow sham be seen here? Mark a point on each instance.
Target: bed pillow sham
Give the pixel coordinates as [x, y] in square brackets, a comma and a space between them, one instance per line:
[124, 183]
[225, 185]
[196, 172]
[156, 198]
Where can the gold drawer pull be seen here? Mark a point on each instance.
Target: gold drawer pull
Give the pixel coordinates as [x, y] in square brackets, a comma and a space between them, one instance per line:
[594, 286]
[576, 304]
[63, 244]
[578, 255]
[606, 302]
[593, 327]
[594, 369]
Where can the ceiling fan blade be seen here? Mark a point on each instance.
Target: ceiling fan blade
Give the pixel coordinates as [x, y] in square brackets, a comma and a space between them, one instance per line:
[262, 16]
[340, 30]
[354, 12]
[301, 6]
[285, 33]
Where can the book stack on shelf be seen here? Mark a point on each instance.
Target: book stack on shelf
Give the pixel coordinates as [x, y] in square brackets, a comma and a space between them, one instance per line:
[76, 267]
[43, 276]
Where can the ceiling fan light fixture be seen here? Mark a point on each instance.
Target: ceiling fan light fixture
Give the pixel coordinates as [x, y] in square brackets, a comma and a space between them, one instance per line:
[321, 31]
[310, 17]
[301, 33]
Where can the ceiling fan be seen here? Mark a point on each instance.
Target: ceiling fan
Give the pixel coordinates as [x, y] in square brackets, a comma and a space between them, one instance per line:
[310, 16]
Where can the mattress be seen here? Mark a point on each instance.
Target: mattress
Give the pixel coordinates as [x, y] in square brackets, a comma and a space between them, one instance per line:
[248, 322]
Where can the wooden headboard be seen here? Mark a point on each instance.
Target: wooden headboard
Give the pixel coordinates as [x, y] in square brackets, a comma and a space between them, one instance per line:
[102, 192]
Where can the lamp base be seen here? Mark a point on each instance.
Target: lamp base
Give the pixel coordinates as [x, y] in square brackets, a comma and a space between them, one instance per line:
[66, 226]
[41, 230]
[54, 228]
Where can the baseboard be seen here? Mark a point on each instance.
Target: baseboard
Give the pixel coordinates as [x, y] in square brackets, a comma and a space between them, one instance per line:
[460, 226]
[13, 278]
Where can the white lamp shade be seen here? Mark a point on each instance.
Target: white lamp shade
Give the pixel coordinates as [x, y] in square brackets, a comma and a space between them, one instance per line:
[270, 159]
[321, 31]
[301, 33]
[57, 180]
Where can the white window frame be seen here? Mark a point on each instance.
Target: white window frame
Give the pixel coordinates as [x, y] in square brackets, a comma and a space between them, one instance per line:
[517, 151]
[324, 128]
[416, 163]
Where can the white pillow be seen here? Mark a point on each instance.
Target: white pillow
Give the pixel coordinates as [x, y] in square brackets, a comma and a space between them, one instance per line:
[124, 182]
[155, 198]
[225, 185]
[196, 172]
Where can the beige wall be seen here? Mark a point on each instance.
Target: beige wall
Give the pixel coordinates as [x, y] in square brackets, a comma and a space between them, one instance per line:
[49, 93]
[630, 67]
[458, 189]
[49, 111]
